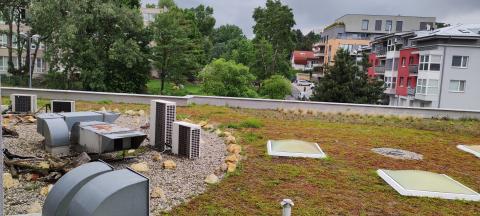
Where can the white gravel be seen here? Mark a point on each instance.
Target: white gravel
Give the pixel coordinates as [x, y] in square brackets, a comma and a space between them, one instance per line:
[179, 185]
[398, 153]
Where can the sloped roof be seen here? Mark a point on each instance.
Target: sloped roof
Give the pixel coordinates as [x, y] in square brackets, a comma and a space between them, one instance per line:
[301, 57]
[459, 30]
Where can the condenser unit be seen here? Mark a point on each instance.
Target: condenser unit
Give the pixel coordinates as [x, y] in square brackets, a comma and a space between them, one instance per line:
[62, 106]
[186, 139]
[24, 103]
[162, 116]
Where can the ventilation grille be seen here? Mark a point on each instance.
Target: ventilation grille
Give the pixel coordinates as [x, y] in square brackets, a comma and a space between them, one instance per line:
[160, 126]
[61, 106]
[170, 118]
[195, 144]
[23, 104]
[183, 140]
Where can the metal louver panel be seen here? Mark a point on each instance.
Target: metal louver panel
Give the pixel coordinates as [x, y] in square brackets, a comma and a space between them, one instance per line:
[160, 126]
[194, 144]
[183, 140]
[23, 104]
[170, 118]
[61, 106]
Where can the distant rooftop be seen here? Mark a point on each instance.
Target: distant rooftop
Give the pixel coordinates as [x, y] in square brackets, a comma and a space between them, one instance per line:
[459, 30]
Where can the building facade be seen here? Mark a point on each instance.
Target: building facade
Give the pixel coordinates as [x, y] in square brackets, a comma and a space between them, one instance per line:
[304, 61]
[437, 68]
[355, 31]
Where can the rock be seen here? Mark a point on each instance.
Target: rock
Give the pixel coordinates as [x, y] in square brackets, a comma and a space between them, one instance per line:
[156, 156]
[398, 154]
[31, 176]
[140, 167]
[157, 192]
[232, 158]
[219, 132]
[116, 110]
[30, 119]
[103, 109]
[131, 151]
[141, 113]
[234, 148]
[34, 208]
[130, 112]
[211, 179]
[169, 164]
[230, 140]
[208, 127]
[81, 159]
[202, 123]
[44, 165]
[45, 190]
[224, 167]
[8, 181]
[231, 167]
[227, 134]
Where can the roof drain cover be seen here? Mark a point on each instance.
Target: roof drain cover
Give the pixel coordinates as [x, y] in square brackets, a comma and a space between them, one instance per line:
[117, 193]
[59, 198]
[294, 148]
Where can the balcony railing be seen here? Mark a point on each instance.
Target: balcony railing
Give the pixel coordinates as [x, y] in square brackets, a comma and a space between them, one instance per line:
[413, 69]
[380, 69]
[411, 91]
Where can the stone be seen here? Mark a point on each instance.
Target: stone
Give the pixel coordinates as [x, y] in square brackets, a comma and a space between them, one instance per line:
[31, 176]
[202, 123]
[8, 181]
[234, 148]
[116, 110]
[232, 158]
[227, 134]
[219, 132]
[169, 164]
[81, 159]
[156, 156]
[211, 179]
[140, 167]
[103, 109]
[231, 167]
[45, 190]
[131, 151]
[30, 119]
[230, 140]
[208, 127]
[224, 167]
[141, 113]
[44, 165]
[157, 192]
[130, 112]
[34, 208]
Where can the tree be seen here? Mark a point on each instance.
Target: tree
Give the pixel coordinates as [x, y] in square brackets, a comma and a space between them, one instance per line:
[226, 39]
[266, 64]
[345, 82]
[227, 78]
[305, 42]
[274, 24]
[101, 39]
[176, 51]
[167, 4]
[276, 87]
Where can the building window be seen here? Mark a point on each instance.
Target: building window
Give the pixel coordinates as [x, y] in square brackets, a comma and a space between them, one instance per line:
[460, 61]
[388, 25]
[425, 25]
[365, 24]
[401, 82]
[430, 62]
[3, 64]
[457, 86]
[399, 26]
[427, 86]
[3, 40]
[390, 82]
[378, 25]
[404, 62]
[411, 60]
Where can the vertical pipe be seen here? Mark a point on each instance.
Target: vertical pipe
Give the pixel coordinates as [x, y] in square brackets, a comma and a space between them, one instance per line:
[287, 207]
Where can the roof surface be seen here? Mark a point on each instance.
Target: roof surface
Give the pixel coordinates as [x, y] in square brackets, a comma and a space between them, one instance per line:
[301, 57]
[459, 30]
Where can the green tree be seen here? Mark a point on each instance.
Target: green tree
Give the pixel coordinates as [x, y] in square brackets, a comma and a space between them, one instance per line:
[167, 4]
[305, 42]
[227, 78]
[226, 39]
[101, 39]
[345, 82]
[176, 51]
[274, 24]
[265, 64]
[276, 87]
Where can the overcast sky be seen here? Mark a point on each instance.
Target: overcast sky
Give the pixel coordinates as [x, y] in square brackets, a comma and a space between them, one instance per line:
[316, 14]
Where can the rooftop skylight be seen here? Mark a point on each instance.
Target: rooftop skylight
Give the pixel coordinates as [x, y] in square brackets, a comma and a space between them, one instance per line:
[294, 148]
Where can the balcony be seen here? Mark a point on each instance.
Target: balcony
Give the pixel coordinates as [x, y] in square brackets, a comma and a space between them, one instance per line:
[391, 91]
[380, 69]
[411, 91]
[413, 69]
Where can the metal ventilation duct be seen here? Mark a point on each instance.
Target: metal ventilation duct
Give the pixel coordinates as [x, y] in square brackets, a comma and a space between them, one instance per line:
[58, 200]
[117, 193]
[56, 136]
[41, 125]
[73, 117]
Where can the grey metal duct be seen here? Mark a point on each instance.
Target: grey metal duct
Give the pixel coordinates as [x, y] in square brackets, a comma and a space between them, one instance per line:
[57, 140]
[73, 117]
[109, 117]
[101, 137]
[117, 193]
[41, 121]
[59, 198]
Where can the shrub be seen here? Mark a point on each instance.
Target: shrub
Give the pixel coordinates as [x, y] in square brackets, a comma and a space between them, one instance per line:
[276, 87]
[251, 123]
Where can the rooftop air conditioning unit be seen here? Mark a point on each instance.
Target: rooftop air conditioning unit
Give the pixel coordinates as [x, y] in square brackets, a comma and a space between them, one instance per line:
[24, 103]
[186, 139]
[162, 116]
[62, 106]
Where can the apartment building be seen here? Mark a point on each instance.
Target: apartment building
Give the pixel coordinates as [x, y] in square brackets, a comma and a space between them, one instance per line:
[354, 31]
[436, 68]
[304, 61]
[149, 14]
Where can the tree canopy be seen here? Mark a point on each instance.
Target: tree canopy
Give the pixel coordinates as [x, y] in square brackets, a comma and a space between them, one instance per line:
[345, 82]
[276, 87]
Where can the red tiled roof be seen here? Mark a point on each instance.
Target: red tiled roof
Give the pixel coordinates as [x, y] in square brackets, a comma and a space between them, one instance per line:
[301, 57]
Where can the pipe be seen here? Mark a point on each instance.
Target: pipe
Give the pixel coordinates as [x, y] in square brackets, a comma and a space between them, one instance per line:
[287, 207]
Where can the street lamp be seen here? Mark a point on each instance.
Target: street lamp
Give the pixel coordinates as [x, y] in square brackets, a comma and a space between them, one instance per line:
[30, 38]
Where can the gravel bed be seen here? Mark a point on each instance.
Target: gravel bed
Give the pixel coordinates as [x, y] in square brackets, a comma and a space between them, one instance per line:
[398, 153]
[179, 185]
